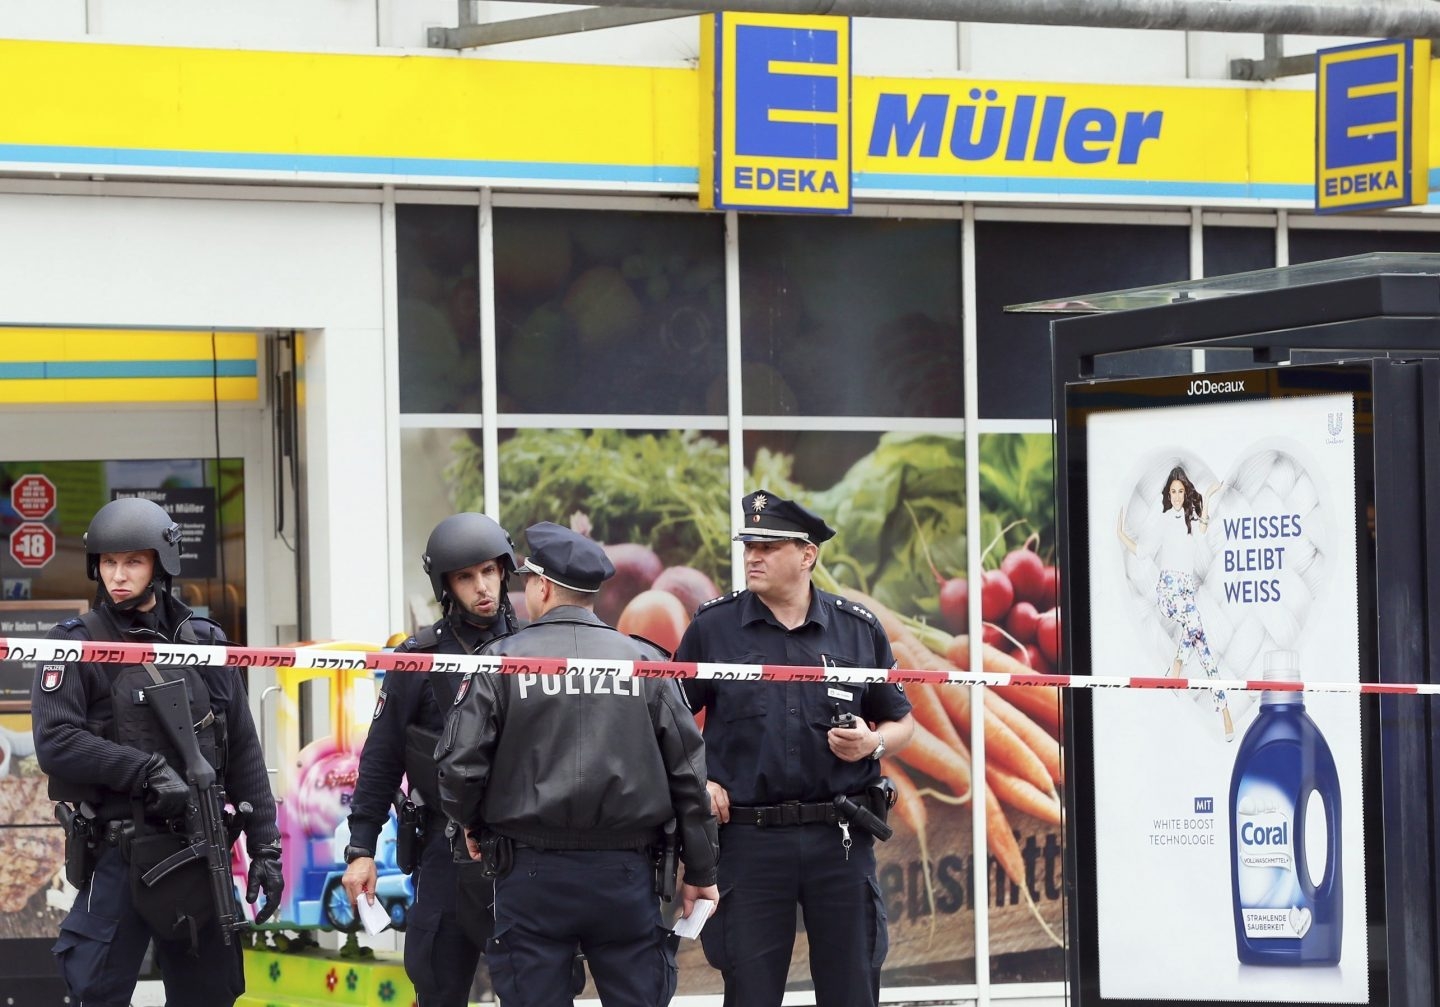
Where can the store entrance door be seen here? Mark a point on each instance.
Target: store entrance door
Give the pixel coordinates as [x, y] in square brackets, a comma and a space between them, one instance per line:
[210, 464]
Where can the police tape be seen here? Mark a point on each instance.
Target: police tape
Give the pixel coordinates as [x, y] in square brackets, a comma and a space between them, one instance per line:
[196, 656]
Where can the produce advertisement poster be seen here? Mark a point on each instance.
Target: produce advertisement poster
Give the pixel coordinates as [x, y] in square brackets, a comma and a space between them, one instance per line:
[897, 502]
[1228, 833]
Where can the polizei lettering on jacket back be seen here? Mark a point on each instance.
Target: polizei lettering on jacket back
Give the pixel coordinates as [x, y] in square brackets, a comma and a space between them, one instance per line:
[1025, 127]
[601, 683]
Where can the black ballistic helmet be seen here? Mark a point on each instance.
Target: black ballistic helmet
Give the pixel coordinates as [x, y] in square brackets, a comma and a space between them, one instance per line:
[463, 540]
[133, 524]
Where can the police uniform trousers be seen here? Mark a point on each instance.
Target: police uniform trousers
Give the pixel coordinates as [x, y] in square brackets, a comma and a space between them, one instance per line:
[601, 900]
[103, 940]
[440, 956]
[764, 872]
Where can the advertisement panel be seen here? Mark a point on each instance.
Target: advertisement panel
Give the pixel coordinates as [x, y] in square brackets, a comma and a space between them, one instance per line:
[1221, 536]
[897, 501]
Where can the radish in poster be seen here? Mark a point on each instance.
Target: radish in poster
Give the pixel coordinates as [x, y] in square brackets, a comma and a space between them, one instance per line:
[1222, 546]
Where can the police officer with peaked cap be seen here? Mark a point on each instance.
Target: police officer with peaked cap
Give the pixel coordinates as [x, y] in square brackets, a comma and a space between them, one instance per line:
[776, 764]
[568, 781]
[102, 747]
[468, 558]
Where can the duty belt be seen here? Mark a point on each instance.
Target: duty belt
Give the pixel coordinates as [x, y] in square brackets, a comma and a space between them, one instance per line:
[786, 813]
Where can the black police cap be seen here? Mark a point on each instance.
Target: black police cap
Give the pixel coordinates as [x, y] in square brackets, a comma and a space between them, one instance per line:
[769, 518]
[566, 557]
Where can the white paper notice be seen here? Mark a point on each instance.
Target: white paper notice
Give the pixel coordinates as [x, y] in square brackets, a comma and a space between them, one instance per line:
[374, 917]
[690, 926]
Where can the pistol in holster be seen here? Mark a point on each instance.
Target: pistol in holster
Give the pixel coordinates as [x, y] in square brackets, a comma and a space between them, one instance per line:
[497, 855]
[82, 841]
[870, 816]
[410, 829]
[881, 796]
[667, 861]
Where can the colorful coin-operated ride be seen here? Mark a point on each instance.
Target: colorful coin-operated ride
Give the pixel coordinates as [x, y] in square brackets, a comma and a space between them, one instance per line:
[314, 785]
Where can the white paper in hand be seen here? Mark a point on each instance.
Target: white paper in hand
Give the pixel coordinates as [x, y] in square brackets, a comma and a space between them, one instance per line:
[375, 918]
[690, 926]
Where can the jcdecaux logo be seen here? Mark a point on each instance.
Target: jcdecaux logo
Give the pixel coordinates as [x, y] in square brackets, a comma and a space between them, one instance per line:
[777, 119]
[1371, 130]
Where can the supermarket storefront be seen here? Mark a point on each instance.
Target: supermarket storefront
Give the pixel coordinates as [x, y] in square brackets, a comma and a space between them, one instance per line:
[492, 285]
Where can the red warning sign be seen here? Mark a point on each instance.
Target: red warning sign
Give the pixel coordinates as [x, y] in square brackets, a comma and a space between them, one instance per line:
[33, 496]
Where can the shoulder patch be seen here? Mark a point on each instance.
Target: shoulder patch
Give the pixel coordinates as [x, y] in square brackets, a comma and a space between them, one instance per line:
[380, 701]
[719, 601]
[51, 675]
[858, 611]
[464, 687]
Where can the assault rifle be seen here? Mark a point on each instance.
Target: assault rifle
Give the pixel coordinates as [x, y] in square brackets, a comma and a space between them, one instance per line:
[205, 826]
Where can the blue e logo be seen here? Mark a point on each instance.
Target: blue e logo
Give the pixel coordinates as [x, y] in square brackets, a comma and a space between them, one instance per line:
[761, 92]
[1363, 93]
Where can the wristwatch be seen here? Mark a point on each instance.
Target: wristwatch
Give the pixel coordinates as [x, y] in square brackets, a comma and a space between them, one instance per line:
[880, 748]
[356, 852]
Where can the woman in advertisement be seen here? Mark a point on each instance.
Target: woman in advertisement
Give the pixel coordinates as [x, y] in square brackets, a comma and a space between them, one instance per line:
[1173, 541]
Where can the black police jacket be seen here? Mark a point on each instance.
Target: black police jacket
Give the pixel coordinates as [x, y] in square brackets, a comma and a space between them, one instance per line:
[405, 699]
[578, 762]
[72, 716]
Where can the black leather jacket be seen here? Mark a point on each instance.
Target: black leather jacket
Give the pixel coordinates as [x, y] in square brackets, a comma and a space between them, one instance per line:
[578, 762]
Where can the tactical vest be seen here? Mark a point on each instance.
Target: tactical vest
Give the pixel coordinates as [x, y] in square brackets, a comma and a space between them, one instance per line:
[178, 905]
[132, 723]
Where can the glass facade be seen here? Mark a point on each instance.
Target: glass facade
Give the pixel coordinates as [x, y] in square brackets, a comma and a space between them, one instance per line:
[614, 358]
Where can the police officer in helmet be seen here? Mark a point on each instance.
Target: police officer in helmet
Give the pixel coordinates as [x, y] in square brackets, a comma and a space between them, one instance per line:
[468, 558]
[115, 768]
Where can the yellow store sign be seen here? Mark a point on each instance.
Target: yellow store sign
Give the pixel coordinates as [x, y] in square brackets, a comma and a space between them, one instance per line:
[1372, 123]
[772, 120]
[775, 113]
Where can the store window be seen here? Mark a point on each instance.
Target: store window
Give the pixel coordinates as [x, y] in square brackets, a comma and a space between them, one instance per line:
[1311, 245]
[1018, 262]
[610, 312]
[1238, 249]
[853, 317]
[656, 500]
[438, 258]
[45, 508]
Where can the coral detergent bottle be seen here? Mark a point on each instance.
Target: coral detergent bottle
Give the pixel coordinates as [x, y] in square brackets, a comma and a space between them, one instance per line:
[1286, 890]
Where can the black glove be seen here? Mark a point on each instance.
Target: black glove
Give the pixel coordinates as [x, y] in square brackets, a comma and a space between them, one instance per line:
[266, 876]
[166, 793]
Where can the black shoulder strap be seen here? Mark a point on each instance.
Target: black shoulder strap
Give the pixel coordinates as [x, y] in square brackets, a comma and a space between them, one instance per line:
[426, 638]
[96, 625]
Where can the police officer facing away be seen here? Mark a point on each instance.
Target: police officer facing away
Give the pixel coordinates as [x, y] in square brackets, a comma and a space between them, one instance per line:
[104, 750]
[468, 558]
[566, 782]
[777, 764]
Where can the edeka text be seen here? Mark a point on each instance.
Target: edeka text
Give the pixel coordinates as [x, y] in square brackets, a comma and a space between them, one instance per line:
[1027, 127]
[1360, 182]
[785, 180]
